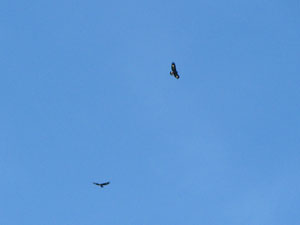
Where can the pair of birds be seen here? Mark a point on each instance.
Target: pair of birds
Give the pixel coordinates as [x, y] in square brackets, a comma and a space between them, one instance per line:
[172, 73]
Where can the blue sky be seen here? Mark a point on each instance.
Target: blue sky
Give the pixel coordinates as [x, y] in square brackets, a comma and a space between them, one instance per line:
[86, 96]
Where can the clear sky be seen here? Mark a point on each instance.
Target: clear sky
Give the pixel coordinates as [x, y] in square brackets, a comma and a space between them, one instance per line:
[86, 96]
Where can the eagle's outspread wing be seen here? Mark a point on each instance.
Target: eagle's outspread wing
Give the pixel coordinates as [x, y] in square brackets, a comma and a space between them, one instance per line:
[173, 67]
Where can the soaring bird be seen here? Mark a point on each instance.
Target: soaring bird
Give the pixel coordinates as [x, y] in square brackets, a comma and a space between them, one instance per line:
[101, 185]
[174, 71]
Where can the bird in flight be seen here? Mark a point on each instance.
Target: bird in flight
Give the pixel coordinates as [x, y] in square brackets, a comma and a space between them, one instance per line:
[101, 185]
[174, 71]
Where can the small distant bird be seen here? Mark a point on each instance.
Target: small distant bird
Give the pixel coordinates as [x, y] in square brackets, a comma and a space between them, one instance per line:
[174, 71]
[101, 185]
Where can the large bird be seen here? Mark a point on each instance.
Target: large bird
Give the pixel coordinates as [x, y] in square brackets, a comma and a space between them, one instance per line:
[174, 71]
[101, 185]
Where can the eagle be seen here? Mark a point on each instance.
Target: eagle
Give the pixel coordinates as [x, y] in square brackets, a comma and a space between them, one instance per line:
[101, 185]
[174, 71]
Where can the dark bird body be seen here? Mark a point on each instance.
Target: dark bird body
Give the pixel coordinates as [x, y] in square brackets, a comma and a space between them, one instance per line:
[174, 71]
[101, 185]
